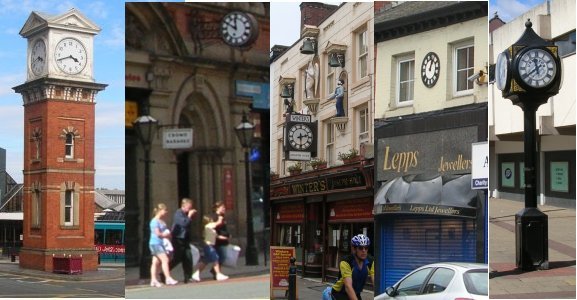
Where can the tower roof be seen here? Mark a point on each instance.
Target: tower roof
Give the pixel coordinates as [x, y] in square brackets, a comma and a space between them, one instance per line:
[73, 20]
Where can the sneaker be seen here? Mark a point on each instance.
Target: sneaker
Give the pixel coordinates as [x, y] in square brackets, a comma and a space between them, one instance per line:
[221, 277]
[155, 283]
[170, 281]
[196, 276]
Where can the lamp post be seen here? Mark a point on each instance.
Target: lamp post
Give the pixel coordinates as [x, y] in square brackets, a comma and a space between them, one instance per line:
[145, 127]
[528, 73]
[245, 132]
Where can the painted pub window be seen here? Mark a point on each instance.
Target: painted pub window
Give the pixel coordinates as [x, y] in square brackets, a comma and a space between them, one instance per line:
[559, 172]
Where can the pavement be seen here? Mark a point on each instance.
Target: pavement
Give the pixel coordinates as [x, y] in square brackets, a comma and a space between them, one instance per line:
[106, 271]
[508, 282]
[242, 270]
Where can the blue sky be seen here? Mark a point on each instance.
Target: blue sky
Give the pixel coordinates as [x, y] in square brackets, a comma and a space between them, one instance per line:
[511, 9]
[109, 69]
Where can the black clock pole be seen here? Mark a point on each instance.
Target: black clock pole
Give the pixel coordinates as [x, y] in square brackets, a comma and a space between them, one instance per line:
[534, 76]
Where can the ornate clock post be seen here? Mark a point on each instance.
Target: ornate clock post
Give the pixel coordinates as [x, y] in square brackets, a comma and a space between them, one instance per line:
[528, 73]
[59, 98]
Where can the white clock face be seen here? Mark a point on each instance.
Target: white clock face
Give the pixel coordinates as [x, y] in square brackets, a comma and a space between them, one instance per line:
[300, 137]
[70, 56]
[430, 69]
[537, 68]
[38, 57]
[237, 28]
[501, 70]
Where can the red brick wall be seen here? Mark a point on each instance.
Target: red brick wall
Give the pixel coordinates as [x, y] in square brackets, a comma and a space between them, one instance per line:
[313, 13]
[53, 117]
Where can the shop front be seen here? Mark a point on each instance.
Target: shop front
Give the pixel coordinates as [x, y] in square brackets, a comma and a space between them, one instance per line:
[319, 212]
[425, 208]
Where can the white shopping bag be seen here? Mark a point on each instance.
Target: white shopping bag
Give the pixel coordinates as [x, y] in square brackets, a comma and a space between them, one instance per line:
[232, 252]
[195, 254]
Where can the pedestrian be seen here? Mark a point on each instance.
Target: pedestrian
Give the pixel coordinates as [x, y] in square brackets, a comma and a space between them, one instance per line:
[210, 253]
[339, 94]
[222, 234]
[159, 231]
[181, 238]
[354, 270]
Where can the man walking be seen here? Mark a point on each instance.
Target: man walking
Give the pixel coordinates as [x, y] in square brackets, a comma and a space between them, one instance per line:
[181, 238]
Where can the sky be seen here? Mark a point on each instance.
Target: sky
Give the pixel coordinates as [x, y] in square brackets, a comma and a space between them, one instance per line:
[108, 69]
[511, 9]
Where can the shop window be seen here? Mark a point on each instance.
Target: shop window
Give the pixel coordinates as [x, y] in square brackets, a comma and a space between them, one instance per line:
[290, 235]
[511, 175]
[314, 239]
[463, 67]
[339, 236]
[566, 44]
[99, 237]
[405, 80]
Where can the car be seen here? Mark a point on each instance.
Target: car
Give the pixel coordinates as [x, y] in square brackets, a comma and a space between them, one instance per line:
[451, 280]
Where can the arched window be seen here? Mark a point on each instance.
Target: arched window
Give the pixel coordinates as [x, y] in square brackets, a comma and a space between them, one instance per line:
[69, 145]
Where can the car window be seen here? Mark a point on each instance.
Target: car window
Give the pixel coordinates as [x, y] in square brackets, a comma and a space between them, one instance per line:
[439, 281]
[413, 283]
[476, 281]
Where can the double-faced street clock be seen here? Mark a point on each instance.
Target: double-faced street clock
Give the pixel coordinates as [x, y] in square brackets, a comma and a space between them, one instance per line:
[300, 137]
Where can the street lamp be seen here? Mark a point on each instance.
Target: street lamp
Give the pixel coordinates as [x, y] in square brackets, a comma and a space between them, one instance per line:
[245, 132]
[145, 128]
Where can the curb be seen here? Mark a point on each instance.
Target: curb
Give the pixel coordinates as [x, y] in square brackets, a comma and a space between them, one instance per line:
[64, 277]
[140, 282]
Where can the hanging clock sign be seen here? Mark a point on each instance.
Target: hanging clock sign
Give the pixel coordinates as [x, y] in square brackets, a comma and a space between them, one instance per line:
[300, 137]
[430, 69]
[238, 29]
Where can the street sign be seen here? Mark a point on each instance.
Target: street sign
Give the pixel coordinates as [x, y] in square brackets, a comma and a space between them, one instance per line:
[480, 166]
[177, 138]
[299, 155]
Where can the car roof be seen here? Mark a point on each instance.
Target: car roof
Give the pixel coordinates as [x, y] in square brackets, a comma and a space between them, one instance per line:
[463, 265]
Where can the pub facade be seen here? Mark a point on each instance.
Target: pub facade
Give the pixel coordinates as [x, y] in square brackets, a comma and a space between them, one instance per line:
[321, 187]
[430, 107]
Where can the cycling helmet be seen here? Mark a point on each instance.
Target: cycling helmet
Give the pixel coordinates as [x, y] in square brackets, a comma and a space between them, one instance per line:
[360, 240]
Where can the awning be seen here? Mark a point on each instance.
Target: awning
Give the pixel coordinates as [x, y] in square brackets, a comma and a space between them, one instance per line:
[429, 194]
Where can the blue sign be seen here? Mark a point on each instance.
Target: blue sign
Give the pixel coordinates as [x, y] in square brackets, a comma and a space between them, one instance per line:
[259, 91]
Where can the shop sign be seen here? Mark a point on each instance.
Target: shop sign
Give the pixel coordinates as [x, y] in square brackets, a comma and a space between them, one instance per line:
[299, 155]
[426, 209]
[279, 267]
[228, 188]
[177, 138]
[351, 209]
[444, 152]
[113, 249]
[480, 166]
[354, 180]
[346, 181]
[259, 91]
[290, 212]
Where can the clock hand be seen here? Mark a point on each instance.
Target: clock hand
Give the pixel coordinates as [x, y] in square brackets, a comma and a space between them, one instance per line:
[69, 56]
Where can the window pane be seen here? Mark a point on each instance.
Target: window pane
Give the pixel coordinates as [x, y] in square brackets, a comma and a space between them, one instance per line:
[461, 59]
[566, 44]
[403, 92]
[68, 198]
[412, 284]
[67, 214]
[462, 80]
[404, 74]
[69, 138]
[363, 64]
[471, 54]
[439, 281]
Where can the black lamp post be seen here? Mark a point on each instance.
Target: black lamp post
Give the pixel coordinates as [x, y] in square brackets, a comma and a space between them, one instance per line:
[245, 132]
[145, 128]
[528, 73]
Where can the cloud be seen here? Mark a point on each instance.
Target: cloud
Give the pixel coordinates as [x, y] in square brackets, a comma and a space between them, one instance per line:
[98, 9]
[10, 80]
[110, 116]
[115, 36]
[510, 9]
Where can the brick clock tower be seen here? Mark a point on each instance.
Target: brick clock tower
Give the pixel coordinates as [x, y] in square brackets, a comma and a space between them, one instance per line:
[59, 101]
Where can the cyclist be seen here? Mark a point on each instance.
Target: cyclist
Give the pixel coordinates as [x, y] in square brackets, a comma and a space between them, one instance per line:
[353, 271]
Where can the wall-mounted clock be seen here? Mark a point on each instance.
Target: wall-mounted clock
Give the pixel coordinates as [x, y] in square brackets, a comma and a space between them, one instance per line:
[536, 68]
[238, 29]
[38, 57]
[300, 136]
[70, 56]
[430, 69]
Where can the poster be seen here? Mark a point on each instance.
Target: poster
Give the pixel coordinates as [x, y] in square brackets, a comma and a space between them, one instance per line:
[560, 176]
[508, 174]
[279, 267]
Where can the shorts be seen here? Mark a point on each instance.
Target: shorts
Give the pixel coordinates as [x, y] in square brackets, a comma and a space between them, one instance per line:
[210, 254]
[156, 249]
